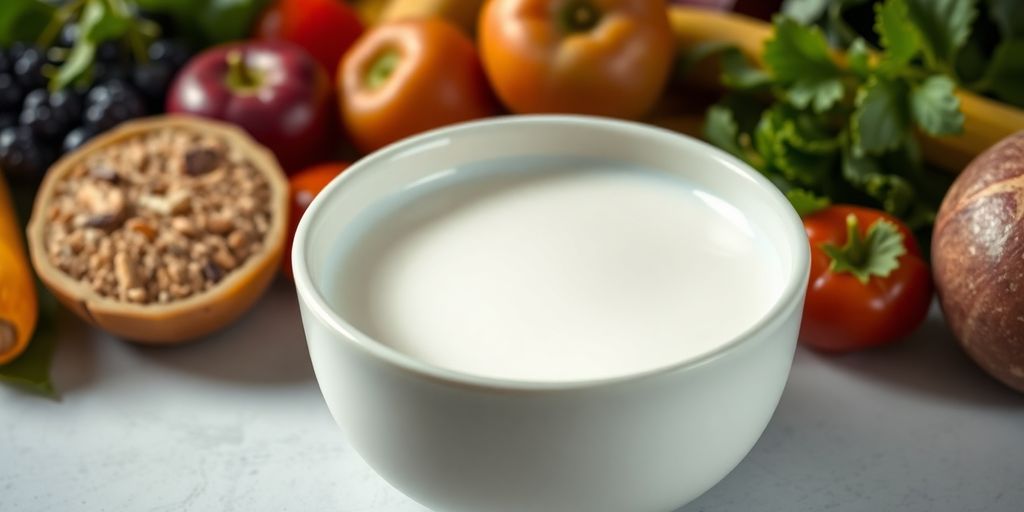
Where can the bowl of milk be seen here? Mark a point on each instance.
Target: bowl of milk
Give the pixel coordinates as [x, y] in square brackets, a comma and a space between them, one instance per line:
[551, 313]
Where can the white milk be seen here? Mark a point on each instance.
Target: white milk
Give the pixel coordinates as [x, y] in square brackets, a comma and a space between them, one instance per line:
[572, 271]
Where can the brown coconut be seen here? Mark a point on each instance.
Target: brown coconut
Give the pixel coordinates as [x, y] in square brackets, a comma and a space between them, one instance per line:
[978, 260]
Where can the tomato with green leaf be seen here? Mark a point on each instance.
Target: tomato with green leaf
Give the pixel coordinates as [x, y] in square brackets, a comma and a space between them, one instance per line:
[869, 283]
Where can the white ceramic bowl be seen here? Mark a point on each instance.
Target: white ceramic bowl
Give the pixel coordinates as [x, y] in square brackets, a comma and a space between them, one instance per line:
[454, 442]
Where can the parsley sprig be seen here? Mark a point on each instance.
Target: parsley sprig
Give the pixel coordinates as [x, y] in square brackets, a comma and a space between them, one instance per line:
[828, 128]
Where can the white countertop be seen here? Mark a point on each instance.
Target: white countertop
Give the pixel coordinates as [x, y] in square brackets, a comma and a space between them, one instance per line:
[236, 423]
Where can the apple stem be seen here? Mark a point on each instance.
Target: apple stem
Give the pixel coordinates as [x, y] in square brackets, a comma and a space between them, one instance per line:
[241, 77]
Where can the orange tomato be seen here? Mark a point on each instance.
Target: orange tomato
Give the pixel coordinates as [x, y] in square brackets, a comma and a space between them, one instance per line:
[405, 77]
[303, 187]
[599, 57]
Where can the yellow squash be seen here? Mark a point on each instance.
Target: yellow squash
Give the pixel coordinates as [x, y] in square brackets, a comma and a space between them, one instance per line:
[985, 121]
[18, 306]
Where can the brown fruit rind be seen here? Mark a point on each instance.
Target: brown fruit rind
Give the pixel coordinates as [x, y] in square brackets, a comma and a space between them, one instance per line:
[181, 320]
[978, 260]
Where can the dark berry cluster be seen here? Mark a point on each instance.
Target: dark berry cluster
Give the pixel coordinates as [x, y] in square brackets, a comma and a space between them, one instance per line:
[37, 125]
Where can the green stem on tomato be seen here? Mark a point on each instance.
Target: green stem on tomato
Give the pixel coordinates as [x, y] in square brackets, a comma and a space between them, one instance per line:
[382, 67]
[865, 256]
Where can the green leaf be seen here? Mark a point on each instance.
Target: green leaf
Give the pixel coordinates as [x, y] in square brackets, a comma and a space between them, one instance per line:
[867, 174]
[721, 130]
[935, 108]
[797, 52]
[23, 20]
[943, 26]
[805, 11]
[820, 94]
[806, 202]
[1009, 16]
[881, 121]
[78, 62]
[228, 20]
[875, 254]
[688, 60]
[900, 43]
[739, 73]
[100, 23]
[858, 169]
[1005, 75]
[805, 159]
[798, 58]
[31, 370]
[859, 58]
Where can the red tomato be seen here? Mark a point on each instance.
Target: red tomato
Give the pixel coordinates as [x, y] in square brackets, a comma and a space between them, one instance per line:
[325, 28]
[303, 187]
[868, 292]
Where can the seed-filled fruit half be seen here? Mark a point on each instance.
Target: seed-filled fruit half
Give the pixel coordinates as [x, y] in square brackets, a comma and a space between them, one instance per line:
[162, 230]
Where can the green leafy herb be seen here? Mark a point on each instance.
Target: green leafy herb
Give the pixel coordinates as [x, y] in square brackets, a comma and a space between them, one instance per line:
[798, 59]
[977, 44]
[901, 44]
[825, 131]
[943, 26]
[880, 122]
[805, 202]
[859, 58]
[935, 108]
[865, 256]
[720, 129]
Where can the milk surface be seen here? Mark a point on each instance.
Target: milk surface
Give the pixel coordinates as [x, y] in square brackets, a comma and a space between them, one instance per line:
[561, 271]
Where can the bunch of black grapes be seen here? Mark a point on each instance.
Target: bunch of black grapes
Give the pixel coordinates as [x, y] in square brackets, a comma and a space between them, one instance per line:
[38, 125]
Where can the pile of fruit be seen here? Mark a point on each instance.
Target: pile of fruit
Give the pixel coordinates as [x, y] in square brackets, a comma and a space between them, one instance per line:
[42, 118]
[321, 82]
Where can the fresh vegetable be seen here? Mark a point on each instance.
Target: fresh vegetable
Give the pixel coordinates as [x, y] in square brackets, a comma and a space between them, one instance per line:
[405, 77]
[869, 284]
[844, 131]
[699, 32]
[977, 250]
[978, 43]
[273, 89]
[18, 304]
[324, 28]
[462, 13]
[303, 187]
[608, 58]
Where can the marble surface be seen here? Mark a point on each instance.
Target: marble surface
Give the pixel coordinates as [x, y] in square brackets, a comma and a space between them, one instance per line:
[236, 423]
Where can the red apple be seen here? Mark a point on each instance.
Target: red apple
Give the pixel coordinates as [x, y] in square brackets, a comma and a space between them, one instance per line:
[273, 89]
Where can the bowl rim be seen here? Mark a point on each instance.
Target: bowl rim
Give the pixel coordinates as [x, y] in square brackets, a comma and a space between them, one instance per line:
[309, 294]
